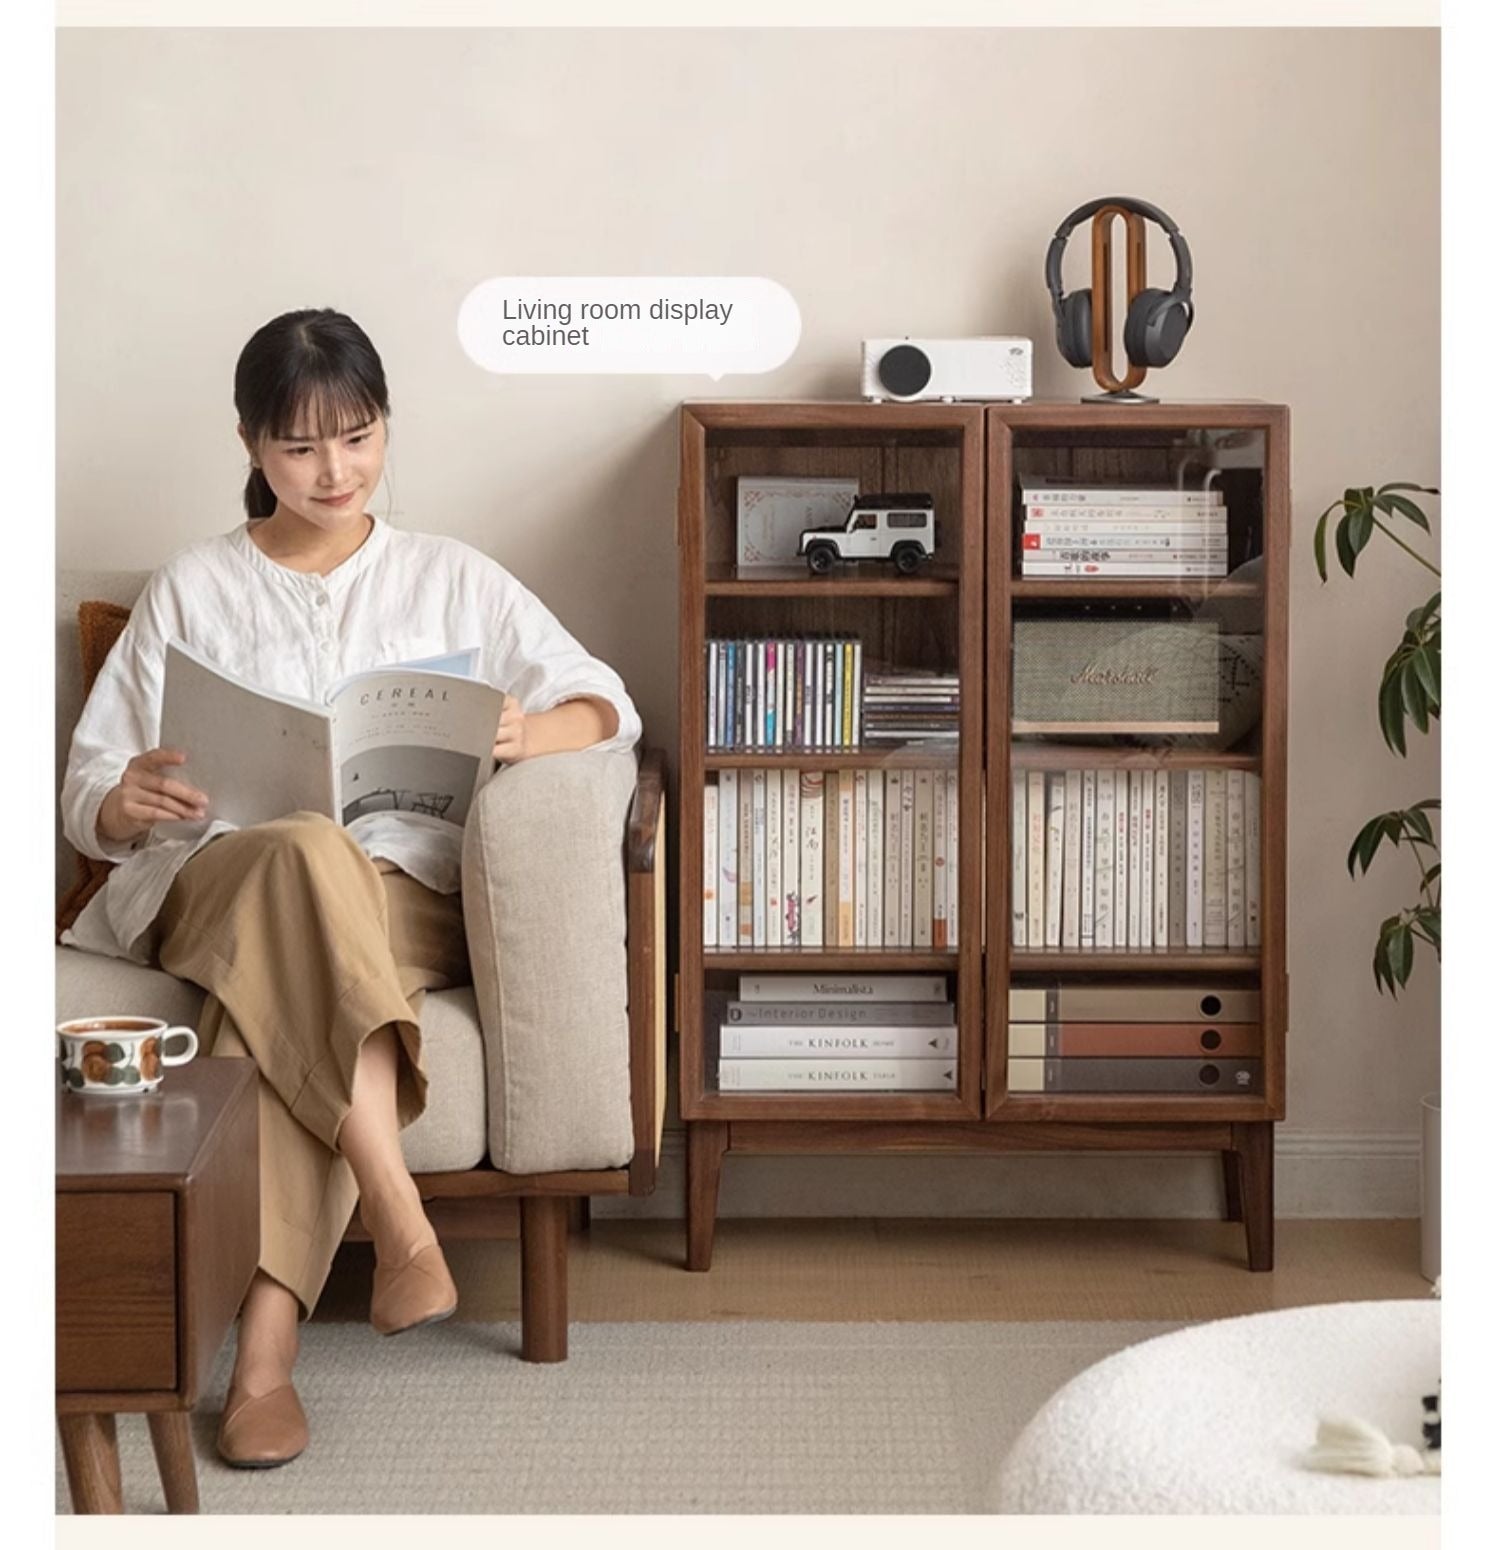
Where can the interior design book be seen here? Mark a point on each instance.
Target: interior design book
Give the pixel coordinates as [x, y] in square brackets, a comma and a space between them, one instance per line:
[821, 1013]
[415, 738]
[847, 1075]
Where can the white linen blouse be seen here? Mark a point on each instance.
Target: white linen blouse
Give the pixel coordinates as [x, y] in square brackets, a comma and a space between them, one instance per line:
[400, 596]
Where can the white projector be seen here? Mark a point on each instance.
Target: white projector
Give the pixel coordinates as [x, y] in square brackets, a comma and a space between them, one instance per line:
[912, 369]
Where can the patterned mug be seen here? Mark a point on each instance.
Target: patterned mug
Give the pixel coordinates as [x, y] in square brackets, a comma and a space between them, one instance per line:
[114, 1056]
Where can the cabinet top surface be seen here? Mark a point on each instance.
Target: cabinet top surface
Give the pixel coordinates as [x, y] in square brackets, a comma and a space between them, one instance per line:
[160, 1134]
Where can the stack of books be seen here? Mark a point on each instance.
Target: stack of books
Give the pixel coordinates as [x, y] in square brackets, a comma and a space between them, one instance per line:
[1105, 859]
[1135, 530]
[839, 1033]
[828, 859]
[794, 694]
[910, 707]
[1133, 1038]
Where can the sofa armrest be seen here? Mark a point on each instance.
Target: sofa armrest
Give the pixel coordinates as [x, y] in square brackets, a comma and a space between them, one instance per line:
[646, 948]
[545, 915]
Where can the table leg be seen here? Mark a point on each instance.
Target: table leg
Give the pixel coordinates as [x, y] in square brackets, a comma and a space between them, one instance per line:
[93, 1459]
[172, 1443]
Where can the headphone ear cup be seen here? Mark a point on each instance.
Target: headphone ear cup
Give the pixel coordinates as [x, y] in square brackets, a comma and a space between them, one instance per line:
[1155, 326]
[1075, 328]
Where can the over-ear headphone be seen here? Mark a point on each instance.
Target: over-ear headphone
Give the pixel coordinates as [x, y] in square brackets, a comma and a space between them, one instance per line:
[1156, 322]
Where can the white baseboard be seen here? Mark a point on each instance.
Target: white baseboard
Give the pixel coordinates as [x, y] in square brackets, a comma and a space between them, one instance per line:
[1332, 1176]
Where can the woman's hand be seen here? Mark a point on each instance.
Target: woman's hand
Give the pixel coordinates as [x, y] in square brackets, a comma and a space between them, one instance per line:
[146, 796]
[511, 741]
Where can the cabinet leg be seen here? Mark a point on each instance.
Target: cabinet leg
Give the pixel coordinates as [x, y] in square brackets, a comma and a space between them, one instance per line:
[579, 1215]
[1234, 1203]
[544, 1278]
[172, 1443]
[92, 1457]
[1253, 1144]
[708, 1140]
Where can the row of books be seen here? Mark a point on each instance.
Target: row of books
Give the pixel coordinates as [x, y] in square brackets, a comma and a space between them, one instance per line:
[842, 858]
[897, 1033]
[1105, 859]
[1135, 530]
[839, 1033]
[814, 694]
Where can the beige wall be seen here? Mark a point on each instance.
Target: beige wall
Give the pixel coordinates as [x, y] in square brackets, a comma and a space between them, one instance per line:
[894, 182]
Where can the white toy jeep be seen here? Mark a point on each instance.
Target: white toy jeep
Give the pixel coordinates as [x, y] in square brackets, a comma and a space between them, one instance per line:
[901, 528]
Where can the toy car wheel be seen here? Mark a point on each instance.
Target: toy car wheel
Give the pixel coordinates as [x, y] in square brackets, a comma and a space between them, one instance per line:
[907, 557]
[820, 558]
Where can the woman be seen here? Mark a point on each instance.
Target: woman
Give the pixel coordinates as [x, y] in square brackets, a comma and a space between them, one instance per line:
[316, 943]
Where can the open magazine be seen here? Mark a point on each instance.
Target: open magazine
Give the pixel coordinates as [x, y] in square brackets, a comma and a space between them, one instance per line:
[414, 737]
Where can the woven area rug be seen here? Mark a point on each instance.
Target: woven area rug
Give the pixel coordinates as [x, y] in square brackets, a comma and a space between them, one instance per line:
[647, 1418]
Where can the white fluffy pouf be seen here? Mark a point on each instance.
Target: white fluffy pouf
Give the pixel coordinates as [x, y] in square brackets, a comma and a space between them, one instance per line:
[1218, 1418]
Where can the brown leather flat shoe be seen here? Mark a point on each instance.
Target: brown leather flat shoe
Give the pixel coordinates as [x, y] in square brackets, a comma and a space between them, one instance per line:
[262, 1432]
[419, 1292]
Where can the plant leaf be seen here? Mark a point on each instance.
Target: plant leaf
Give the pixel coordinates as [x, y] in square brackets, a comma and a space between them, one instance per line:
[1417, 820]
[1424, 664]
[1431, 875]
[1408, 509]
[1416, 489]
[1347, 553]
[1392, 719]
[1366, 843]
[1320, 545]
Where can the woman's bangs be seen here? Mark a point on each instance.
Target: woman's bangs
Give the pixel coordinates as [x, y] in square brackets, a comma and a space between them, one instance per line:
[320, 407]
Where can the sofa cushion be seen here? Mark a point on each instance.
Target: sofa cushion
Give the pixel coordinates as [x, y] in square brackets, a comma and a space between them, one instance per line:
[544, 910]
[448, 1137]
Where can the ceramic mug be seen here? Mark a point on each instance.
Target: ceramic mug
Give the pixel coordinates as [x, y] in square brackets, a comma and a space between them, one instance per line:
[114, 1056]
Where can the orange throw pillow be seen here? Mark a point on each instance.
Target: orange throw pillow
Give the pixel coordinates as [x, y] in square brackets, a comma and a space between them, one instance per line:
[99, 627]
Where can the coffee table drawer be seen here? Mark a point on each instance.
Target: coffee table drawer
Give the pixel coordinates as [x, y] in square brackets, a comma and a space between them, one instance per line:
[116, 1291]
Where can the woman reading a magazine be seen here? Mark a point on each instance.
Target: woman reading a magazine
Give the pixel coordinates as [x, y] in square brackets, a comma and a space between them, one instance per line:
[315, 942]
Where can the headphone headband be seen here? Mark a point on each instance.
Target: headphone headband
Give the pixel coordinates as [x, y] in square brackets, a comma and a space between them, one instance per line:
[1182, 287]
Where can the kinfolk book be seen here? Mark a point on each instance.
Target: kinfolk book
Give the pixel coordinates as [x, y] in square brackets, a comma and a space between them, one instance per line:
[415, 738]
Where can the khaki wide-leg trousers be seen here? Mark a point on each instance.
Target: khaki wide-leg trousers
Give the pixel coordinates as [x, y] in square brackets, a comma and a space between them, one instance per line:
[306, 947]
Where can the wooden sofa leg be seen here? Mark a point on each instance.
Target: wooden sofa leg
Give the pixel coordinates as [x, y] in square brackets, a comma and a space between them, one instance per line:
[544, 1278]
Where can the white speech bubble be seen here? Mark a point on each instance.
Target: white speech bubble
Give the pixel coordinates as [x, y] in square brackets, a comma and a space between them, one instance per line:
[716, 326]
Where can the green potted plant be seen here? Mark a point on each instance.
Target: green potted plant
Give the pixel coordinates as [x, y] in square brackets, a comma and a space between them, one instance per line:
[1410, 695]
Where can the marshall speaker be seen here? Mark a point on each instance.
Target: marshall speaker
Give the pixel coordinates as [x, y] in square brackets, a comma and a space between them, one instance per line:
[911, 369]
[1096, 677]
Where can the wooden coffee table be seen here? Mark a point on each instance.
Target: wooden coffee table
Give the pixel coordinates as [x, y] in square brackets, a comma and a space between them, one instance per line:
[158, 1234]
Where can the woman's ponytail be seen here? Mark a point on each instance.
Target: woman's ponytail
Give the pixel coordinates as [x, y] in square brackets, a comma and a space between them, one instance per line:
[260, 498]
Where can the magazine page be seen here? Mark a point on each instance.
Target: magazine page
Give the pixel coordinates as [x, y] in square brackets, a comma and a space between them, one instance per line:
[257, 754]
[415, 742]
[462, 664]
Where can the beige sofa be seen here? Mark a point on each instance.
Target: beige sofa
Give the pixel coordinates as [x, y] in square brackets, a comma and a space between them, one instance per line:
[562, 1097]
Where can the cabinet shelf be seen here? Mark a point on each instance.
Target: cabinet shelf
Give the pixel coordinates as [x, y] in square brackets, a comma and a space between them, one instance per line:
[1133, 960]
[1051, 756]
[1194, 588]
[802, 960]
[728, 580]
[846, 758]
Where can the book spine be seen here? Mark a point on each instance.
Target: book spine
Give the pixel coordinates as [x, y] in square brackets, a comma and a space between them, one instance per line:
[1018, 858]
[772, 690]
[1133, 898]
[1147, 1075]
[1086, 861]
[846, 858]
[1108, 1041]
[775, 902]
[758, 857]
[810, 870]
[1252, 859]
[857, 989]
[1126, 546]
[1056, 791]
[1234, 858]
[875, 903]
[840, 1014]
[1215, 859]
[848, 686]
[837, 736]
[857, 734]
[891, 904]
[710, 675]
[729, 877]
[921, 903]
[940, 860]
[1102, 496]
[1104, 861]
[758, 694]
[1072, 844]
[955, 868]
[833, 1043]
[1153, 522]
[833, 850]
[872, 1075]
[747, 861]
[861, 858]
[1122, 857]
[1036, 859]
[1148, 858]
[1068, 1002]
[1160, 881]
[1141, 569]
[711, 865]
[1177, 860]
[908, 853]
[791, 855]
[1195, 842]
